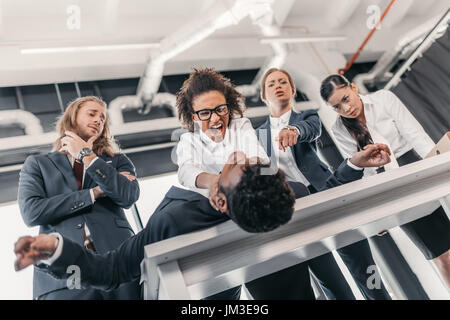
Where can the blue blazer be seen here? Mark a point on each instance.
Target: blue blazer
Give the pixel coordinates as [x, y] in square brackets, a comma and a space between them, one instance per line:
[304, 152]
[48, 197]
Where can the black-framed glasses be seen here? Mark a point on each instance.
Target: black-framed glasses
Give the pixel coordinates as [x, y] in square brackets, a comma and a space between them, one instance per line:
[205, 114]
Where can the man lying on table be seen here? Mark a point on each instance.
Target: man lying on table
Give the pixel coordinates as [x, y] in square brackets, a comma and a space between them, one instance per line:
[256, 202]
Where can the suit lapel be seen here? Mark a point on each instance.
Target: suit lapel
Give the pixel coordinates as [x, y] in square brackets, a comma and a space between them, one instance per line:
[62, 163]
[265, 137]
[292, 120]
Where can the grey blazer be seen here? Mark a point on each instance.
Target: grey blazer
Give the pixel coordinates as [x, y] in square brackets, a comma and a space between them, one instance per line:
[48, 197]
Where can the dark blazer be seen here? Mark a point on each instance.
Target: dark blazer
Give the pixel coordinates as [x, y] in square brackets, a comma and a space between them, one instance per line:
[181, 211]
[304, 152]
[48, 196]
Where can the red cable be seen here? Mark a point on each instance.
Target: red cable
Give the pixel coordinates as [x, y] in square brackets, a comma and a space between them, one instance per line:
[352, 60]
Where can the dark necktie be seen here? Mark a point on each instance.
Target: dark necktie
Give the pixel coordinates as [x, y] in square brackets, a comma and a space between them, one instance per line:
[78, 169]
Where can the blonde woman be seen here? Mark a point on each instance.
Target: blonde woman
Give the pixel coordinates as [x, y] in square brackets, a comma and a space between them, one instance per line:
[79, 190]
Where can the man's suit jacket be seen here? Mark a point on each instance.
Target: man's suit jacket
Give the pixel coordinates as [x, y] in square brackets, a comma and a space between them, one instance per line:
[48, 196]
[304, 152]
[181, 211]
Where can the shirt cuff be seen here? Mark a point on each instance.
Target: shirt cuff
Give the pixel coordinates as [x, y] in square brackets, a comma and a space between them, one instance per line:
[91, 191]
[58, 250]
[351, 165]
[93, 160]
[292, 127]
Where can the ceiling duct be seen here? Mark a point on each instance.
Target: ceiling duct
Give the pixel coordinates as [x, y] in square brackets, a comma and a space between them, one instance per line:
[405, 45]
[269, 28]
[221, 14]
[28, 121]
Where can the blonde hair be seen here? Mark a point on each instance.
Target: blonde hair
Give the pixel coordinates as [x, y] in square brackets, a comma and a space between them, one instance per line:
[105, 143]
[264, 78]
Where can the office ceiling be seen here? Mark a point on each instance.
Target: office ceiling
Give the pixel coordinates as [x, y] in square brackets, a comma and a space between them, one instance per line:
[29, 24]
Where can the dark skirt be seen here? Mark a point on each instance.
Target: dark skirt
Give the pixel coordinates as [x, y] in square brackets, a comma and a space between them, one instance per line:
[431, 234]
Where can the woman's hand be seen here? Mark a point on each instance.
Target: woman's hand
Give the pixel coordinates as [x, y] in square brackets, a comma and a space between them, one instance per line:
[287, 138]
[214, 191]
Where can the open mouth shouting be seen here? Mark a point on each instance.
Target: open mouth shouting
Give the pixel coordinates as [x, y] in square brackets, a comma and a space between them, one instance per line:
[217, 131]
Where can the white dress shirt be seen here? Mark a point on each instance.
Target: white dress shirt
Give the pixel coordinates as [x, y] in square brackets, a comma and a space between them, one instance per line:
[389, 122]
[197, 153]
[285, 159]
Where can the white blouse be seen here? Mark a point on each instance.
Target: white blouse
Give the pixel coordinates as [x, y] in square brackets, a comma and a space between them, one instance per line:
[197, 153]
[389, 122]
[285, 159]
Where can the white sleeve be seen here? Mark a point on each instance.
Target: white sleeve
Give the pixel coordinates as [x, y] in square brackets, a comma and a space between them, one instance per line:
[93, 160]
[409, 128]
[58, 249]
[91, 191]
[248, 141]
[351, 165]
[189, 166]
[345, 141]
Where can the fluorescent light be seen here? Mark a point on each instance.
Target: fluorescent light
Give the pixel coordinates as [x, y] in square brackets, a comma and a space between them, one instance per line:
[90, 48]
[301, 39]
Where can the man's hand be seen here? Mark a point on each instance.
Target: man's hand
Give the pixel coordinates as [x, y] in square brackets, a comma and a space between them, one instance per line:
[30, 250]
[373, 155]
[98, 192]
[286, 138]
[128, 175]
[72, 143]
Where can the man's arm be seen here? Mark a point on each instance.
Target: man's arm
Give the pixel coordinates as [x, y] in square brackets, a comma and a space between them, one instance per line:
[102, 271]
[122, 190]
[373, 155]
[38, 209]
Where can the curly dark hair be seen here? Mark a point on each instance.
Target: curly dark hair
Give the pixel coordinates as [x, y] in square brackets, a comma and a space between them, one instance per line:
[201, 81]
[260, 203]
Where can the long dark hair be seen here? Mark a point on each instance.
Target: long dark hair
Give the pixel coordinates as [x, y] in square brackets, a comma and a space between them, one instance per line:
[356, 129]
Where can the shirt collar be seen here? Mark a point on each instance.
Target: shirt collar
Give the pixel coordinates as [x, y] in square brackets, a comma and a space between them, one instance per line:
[283, 120]
[366, 99]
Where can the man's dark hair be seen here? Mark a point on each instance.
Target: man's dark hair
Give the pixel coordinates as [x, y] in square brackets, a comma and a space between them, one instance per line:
[202, 81]
[260, 203]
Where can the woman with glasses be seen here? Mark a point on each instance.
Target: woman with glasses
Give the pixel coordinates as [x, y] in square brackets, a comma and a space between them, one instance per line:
[212, 111]
[382, 117]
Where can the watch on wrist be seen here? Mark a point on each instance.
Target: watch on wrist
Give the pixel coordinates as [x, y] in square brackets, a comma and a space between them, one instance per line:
[83, 153]
[292, 128]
